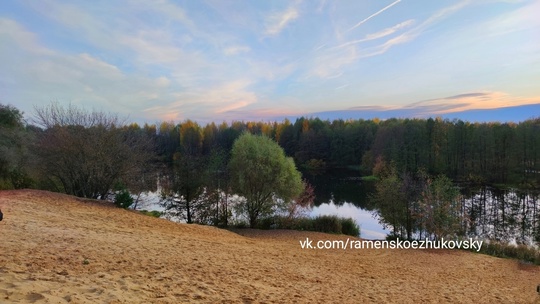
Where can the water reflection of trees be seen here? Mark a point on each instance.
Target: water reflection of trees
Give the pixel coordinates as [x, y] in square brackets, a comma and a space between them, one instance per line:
[503, 214]
[340, 187]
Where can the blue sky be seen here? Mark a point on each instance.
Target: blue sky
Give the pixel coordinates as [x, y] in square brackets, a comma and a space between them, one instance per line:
[219, 60]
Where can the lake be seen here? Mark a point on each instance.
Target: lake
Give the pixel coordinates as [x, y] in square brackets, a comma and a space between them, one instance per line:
[369, 225]
[343, 193]
[511, 215]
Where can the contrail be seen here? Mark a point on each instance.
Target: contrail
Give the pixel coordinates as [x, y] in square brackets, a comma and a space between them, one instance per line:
[382, 10]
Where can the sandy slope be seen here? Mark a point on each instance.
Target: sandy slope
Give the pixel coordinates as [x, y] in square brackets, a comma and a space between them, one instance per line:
[45, 239]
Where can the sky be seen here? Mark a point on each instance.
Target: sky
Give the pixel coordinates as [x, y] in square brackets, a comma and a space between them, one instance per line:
[219, 60]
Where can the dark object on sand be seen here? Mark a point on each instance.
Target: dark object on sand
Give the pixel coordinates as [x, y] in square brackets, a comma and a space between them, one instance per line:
[538, 288]
[1, 215]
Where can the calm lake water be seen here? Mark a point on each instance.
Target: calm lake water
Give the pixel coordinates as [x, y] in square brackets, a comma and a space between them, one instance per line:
[343, 193]
[369, 226]
[339, 192]
[503, 214]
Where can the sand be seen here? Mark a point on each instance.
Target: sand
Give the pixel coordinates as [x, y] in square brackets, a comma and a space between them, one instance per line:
[56, 248]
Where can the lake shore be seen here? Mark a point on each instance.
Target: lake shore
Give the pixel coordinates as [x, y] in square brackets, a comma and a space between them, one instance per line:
[60, 249]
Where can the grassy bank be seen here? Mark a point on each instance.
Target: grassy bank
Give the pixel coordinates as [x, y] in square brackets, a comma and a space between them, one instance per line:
[321, 223]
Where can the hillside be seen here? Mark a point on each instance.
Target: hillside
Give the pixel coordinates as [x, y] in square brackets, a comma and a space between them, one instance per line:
[56, 248]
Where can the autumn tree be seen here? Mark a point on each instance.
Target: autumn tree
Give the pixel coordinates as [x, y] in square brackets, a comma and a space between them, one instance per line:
[262, 174]
[183, 194]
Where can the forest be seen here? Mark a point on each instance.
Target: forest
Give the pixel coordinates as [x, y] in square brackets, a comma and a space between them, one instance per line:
[418, 165]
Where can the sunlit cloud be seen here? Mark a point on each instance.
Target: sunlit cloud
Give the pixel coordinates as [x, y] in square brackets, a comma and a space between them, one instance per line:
[473, 101]
[205, 103]
[453, 104]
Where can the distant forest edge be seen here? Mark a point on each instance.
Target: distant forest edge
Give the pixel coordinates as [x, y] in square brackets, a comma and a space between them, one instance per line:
[32, 153]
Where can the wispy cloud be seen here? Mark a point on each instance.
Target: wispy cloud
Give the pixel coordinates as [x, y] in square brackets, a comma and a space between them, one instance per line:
[166, 58]
[389, 31]
[329, 64]
[334, 59]
[204, 103]
[380, 34]
[375, 14]
[236, 49]
[473, 101]
[43, 74]
[19, 36]
[414, 32]
[276, 22]
[443, 106]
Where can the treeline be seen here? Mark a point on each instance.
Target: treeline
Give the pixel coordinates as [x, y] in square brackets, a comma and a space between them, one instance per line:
[482, 153]
[502, 153]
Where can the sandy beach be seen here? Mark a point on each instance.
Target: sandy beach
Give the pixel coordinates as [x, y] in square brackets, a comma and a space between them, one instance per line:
[56, 248]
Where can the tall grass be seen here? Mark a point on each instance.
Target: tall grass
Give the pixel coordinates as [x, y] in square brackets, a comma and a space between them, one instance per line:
[521, 252]
[321, 223]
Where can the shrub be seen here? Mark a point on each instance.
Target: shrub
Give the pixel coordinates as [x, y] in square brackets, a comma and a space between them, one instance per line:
[240, 224]
[349, 227]
[21, 180]
[321, 223]
[153, 213]
[521, 252]
[315, 165]
[327, 223]
[304, 224]
[370, 178]
[268, 223]
[123, 199]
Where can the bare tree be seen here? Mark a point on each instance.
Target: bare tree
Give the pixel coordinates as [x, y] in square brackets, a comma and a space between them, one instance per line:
[85, 152]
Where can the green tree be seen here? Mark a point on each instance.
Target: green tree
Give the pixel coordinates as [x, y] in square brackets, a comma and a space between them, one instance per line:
[262, 174]
[14, 152]
[440, 211]
[394, 198]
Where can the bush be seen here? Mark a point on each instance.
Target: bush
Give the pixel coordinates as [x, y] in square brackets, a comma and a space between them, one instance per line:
[240, 224]
[321, 223]
[153, 213]
[123, 199]
[327, 223]
[21, 180]
[520, 252]
[349, 227]
[304, 224]
[5, 184]
[317, 165]
[268, 223]
[370, 178]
